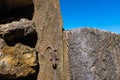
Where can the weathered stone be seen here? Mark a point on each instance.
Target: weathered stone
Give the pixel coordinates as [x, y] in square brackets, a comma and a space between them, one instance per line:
[93, 54]
[17, 29]
[83, 54]
[48, 24]
[17, 61]
[2, 43]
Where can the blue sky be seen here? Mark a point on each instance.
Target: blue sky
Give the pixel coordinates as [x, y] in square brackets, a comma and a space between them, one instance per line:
[101, 14]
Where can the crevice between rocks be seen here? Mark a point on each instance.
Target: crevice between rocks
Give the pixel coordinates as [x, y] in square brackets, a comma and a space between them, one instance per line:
[29, 40]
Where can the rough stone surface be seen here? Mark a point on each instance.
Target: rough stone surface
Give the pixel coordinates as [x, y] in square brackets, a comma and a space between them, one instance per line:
[94, 54]
[2, 43]
[48, 24]
[81, 54]
[17, 29]
[17, 61]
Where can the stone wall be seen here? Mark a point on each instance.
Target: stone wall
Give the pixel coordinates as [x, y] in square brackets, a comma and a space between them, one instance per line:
[33, 45]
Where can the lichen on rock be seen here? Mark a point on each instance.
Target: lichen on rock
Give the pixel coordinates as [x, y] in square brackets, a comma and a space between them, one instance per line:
[17, 61]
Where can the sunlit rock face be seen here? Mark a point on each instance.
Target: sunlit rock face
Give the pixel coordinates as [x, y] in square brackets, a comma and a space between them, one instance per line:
[48, 24]
[93, 54]
[33, 45]
[17, 61]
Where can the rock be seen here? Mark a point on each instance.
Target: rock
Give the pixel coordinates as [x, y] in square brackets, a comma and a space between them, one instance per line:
[17, 29]
[48, 24]
[93, 54]
[17, 61]
[2, 43]
[80, 54]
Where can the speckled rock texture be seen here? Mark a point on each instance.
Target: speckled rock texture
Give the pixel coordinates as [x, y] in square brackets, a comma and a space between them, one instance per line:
[48, 24]
[33, 45]
[93, 54]
[17, 61]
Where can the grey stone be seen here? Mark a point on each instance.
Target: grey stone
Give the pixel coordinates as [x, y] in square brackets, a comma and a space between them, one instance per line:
[93, 54]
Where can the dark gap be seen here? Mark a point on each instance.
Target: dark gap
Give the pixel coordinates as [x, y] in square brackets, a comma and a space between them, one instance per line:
[29, 40]
[8, 15]
[63, 29]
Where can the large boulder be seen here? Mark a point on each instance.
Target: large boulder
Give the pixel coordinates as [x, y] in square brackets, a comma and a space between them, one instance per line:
[93, 54]
[17, 61]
